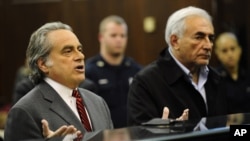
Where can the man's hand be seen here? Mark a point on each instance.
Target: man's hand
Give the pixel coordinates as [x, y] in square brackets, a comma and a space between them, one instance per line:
[184, 115]
[62, 131]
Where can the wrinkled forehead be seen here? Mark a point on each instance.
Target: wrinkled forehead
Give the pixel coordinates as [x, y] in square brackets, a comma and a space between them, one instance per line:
[62, 36]
[199, 24]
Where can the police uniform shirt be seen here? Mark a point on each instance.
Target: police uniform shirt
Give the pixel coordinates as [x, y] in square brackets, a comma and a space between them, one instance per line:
[238, 91]
[113, 84]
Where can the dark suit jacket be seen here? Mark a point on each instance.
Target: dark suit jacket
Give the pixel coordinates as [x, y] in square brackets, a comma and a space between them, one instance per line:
[43, 102]
[163, 83]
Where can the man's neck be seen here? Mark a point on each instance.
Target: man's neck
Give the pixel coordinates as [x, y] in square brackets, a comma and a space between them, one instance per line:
[114, 60]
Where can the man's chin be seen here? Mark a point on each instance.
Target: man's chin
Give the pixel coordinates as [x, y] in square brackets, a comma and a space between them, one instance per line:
[80, 79]
[204, 63]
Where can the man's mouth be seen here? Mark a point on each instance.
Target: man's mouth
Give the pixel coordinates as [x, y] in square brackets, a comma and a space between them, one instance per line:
[80, 68]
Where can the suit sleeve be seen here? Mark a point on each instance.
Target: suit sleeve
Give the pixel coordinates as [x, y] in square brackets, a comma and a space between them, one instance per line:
[21, 126]
[140, 104]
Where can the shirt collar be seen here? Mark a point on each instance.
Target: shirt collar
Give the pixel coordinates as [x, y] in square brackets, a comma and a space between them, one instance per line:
[203, 70]
[62, 90]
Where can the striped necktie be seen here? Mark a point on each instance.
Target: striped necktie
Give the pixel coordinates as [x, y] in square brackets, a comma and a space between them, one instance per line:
[81, 110]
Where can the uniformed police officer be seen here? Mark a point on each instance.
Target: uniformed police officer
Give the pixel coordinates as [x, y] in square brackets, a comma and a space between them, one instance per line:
[111, 70]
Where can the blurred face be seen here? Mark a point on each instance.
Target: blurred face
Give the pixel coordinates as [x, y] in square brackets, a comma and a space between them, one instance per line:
[66, 60]
[194, 48]
[228, 52]
[113, 39]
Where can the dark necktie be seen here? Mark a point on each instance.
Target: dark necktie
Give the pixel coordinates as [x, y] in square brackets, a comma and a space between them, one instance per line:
[81, 110]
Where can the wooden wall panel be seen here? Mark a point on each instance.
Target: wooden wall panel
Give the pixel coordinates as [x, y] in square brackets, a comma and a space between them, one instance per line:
[19, 23]
[32, 1]
[2, 96]
[84, 16]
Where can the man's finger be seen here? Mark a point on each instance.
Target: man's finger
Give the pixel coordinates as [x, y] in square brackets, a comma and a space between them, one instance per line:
[69, 130]
[45, 126]
[165, 113]
[184, 115]
[62, 131]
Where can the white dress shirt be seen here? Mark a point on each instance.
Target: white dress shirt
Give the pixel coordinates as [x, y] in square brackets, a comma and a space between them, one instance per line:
[66, 95]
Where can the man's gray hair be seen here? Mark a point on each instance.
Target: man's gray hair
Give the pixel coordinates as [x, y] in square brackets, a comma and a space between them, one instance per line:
[39, 48]
[176, 22]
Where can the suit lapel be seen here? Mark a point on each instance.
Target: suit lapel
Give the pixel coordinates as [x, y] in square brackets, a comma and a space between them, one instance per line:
[173, 74]
[94, 109]
[170, 70]
[59, 107]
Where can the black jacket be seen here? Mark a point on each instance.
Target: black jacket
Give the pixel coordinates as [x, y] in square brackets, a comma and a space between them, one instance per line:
[163, 83]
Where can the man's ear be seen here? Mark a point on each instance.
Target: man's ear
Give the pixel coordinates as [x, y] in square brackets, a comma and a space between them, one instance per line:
[42, 65]
[174, 41]
[99, 37]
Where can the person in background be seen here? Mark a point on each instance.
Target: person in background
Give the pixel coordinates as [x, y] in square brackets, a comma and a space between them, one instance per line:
[111, 70]
[235, 76]
[181, 79]
[22, 72]
[55, 57]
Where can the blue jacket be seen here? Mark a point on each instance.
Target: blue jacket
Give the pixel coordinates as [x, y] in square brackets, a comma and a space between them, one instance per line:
[113, 84]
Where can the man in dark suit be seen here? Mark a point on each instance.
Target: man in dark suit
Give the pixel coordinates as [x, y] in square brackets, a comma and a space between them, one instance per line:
[180, 79]
[55, 57]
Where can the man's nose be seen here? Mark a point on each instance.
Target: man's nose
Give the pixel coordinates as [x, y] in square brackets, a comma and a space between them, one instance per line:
[208, 44]
[80, 55]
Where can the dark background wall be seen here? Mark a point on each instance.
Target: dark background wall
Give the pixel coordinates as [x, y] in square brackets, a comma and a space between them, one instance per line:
[19, 18]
